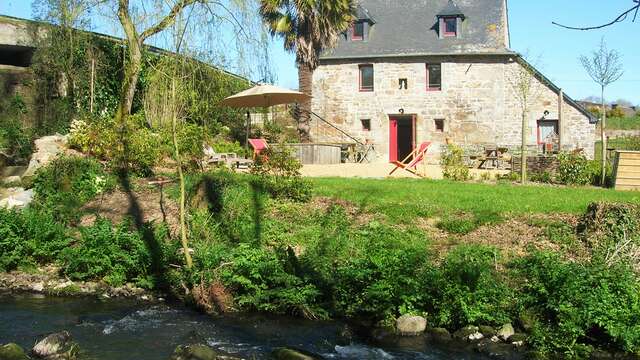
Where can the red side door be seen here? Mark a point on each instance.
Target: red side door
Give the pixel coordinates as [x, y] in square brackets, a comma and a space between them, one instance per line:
[393, 140]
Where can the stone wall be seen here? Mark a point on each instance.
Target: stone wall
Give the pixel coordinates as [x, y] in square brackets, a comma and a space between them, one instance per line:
[537, 164]
[476, 103]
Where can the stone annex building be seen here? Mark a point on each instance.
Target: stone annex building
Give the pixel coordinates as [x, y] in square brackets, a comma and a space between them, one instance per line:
[437, 70]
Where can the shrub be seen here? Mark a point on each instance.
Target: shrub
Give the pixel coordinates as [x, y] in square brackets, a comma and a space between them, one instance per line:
[264, 280]
[616, 113]
[69, 182]
[467, 289]
[574, 169]
[453, 164]
[190, 140]
[102, 138]
[379, 279]
[113, 254]
[278, 172]
[580, 304]
[28, 237]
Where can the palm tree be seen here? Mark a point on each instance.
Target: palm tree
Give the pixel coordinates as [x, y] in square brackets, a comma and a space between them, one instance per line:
[307, 27]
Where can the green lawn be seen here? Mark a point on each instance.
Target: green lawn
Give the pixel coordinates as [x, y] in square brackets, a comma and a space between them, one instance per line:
[403, 200]
[630, 123]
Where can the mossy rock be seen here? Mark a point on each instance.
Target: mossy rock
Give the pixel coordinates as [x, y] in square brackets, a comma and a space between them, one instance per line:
[465, 332]
[517, 337]
[527, 320]
[486, 330]
[199, 352]
[293, 354]
[440, 334]
[12, 351]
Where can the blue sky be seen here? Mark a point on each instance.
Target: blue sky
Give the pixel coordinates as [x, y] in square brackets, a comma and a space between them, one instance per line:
[556, 49]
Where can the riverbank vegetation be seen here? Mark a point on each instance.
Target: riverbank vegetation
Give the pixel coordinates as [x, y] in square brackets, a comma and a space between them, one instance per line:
[542, 258]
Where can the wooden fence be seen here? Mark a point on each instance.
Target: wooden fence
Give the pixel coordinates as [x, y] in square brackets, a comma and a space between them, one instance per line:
[316, 153]
[627, 170]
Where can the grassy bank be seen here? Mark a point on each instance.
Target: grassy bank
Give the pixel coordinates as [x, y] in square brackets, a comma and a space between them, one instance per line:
[628, 123]
[404, 200]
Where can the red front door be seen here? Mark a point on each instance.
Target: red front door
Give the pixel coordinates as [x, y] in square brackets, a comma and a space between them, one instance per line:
[393, 139]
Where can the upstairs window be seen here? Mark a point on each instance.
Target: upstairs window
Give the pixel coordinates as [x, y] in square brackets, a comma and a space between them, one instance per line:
[449, 27]
[366, 124]
[366, 77]
[434, 77]
[357, 31]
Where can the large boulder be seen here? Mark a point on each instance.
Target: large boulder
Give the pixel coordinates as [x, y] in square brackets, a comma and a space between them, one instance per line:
[47, 149]
[199, 352]
[12, 351]
[408, 325]
[56, 346]
[293, 354]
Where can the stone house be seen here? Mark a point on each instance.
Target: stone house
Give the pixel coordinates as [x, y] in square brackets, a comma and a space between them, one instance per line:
[440, 71]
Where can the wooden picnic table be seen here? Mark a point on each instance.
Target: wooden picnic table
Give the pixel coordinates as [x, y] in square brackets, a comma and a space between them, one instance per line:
[495, 156]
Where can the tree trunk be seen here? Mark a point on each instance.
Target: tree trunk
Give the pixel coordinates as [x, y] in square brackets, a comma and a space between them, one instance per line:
[130, 81]
[523, 155]
[176, 150]
[603, 139]
[305, 79]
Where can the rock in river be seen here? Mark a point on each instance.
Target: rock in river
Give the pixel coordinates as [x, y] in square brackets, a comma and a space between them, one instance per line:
[293, 354]
[56, 346]
[199, 352]
[411, 325]
[12, 351]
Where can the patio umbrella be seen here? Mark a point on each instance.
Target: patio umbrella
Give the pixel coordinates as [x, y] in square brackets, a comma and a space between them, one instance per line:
[263, 95]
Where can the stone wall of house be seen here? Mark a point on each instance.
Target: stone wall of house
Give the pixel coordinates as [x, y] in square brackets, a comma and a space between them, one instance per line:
[477, 104]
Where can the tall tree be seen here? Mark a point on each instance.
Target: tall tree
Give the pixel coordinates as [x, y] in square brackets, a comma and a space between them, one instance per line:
[135, 42]
[605, 67]
[307, 27]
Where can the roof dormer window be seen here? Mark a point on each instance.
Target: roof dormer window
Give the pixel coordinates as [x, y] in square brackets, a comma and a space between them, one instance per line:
[357, 31]
[449, 26]
[361, 27]
[450, 21]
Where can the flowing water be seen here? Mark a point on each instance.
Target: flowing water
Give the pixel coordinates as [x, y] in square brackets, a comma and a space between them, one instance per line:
[119, 329]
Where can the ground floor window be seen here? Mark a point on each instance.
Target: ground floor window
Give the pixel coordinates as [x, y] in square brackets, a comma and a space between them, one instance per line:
[439, 123]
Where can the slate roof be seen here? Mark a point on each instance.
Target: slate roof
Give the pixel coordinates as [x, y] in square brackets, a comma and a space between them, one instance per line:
[450, 10]
[409, 27]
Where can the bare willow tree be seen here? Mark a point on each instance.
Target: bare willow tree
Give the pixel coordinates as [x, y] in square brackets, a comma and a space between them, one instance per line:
[622, 17]
[525, 86]
[605, 67]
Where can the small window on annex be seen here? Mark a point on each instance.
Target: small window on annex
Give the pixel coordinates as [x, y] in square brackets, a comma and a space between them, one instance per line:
[366, 77]
[434, 77]
[366, 124]
[439, 123]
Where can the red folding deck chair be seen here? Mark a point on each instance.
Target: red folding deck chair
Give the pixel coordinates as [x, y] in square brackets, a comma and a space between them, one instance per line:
[258, 145]
[417, 154]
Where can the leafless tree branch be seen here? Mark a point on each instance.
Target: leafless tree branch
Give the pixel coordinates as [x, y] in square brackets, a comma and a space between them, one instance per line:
[620, 18]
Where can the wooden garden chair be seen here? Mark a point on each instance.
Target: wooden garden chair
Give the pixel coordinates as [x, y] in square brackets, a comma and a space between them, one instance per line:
[258, 145]
[411, 162]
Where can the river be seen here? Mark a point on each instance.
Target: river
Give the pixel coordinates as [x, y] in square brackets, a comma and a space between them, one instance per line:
[121, 329]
